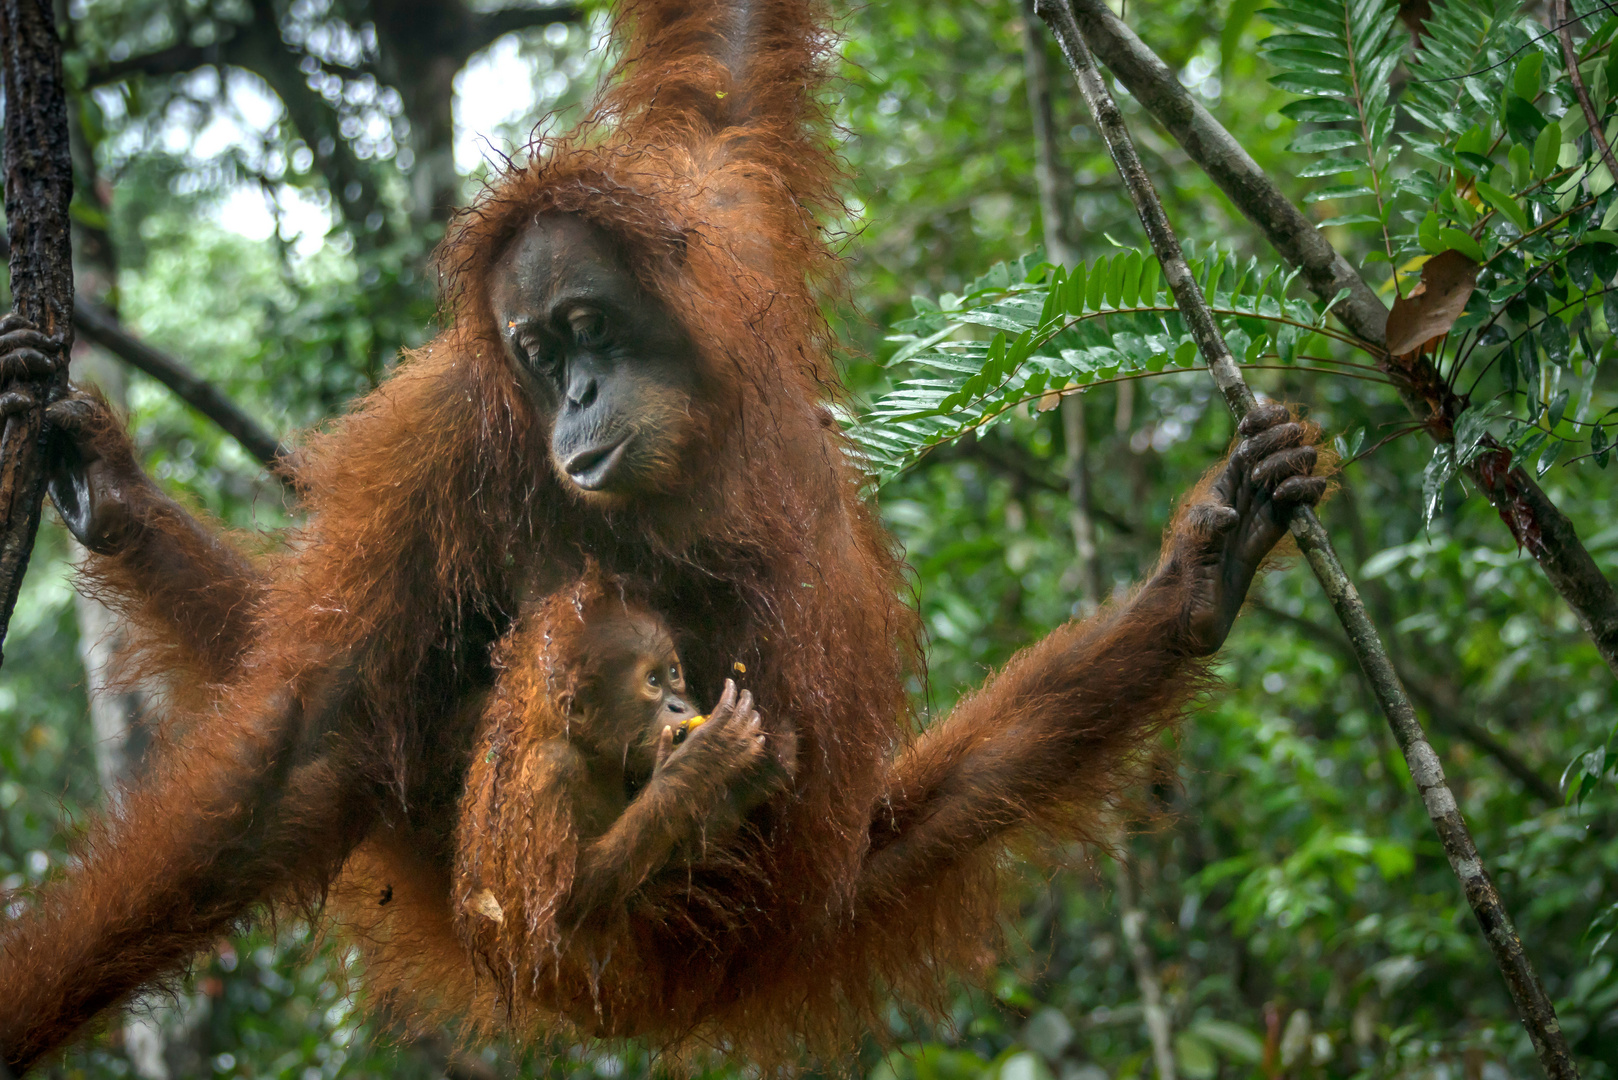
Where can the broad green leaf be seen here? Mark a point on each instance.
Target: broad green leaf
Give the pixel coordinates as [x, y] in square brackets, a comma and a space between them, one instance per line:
[1317, 142]
[1547, 148]
[1462, 242]
[1503, 203]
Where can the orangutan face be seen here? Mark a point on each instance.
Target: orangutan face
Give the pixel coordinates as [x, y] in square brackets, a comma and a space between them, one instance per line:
[604, 359]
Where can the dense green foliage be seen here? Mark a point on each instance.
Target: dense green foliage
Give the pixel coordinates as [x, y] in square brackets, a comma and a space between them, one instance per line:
[1299, 913]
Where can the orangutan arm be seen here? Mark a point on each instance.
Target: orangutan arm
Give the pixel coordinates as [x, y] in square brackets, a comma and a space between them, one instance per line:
[699, 793]
[1052, 738]
[237, 813]
[190, 594]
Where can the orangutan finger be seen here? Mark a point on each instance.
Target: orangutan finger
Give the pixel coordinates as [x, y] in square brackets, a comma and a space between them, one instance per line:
[1214, 519]
[13, 402]
[1279, 466]
[1262, 416]
[727, 702]
[1267, 442]
[25, 363]
[1300, 491]
[665, 747]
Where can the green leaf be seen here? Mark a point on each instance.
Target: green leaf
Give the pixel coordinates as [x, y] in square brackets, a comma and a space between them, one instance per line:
[1150, 280]
[1097, 289]
[1434, 478]
[1547, 148]
[1319, 142]
[1351, 219]
[1196, 1058]
[1503, 203]
[1073, 291]
[1462, 242]
[1185, 354]
[1332, 166]
[1599, 446]
[1338, 191]
[1236, 21]
[1315, 110]
[1523, 121]
[1525, 80]
[1115, 279]
[1232, 1039]
[1131, 284]
[1548, 458]
[1521, 159]
[1308, 83]
[1558, 406]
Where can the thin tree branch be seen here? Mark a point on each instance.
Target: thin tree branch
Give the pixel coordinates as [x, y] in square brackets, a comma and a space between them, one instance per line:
[488, 26]
[173, 60]
[1535, 521]
[39, 187]
[1534, 1005]
[1438, 697]
[1133, 924]
[101, 326]
[1570, 57]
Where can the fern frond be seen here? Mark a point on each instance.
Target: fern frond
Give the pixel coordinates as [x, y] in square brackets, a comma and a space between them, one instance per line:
[1057, 331]
[1459, 73]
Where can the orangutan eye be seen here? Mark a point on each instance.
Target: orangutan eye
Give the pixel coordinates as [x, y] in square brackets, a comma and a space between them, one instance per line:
[674, 674]
[588, 325]
[652, 680]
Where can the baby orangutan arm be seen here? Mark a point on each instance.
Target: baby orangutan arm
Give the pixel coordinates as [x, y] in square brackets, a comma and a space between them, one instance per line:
[702, 787]
[1052, 739]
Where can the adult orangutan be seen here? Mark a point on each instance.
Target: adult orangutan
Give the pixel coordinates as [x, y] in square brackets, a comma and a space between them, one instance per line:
[635, 373]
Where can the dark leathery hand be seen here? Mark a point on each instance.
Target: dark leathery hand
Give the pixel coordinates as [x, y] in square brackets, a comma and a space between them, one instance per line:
[1244, 514]
[25, 352]
[92, 492]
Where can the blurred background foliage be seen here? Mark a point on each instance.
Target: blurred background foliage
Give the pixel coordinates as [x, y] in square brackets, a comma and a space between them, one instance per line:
[261, 183]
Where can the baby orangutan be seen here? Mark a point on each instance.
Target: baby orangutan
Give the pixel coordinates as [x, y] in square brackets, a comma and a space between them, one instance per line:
[591, 776]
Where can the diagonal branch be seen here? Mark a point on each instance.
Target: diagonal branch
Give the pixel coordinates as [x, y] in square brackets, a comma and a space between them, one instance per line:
[1570, 57]
[1535, 521]
[95, 323]
[101, 326]
[1533, 1004]
[1438, 697]
[489, 25]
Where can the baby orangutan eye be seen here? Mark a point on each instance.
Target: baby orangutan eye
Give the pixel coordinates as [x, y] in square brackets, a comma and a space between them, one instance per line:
[651, 679]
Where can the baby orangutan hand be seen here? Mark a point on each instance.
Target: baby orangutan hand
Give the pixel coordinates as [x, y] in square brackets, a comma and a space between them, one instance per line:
[729, 754]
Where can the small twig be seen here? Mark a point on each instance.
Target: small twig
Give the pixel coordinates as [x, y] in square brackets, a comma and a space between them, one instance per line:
[101, 326]
[1132, 921]
[1438, 699]
[1570, 55]
[1534, 1005]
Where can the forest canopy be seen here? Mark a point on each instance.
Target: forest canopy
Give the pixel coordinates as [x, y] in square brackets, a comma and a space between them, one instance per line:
[259, 185]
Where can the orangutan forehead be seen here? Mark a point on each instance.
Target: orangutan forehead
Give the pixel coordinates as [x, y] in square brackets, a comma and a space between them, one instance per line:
[558, 255]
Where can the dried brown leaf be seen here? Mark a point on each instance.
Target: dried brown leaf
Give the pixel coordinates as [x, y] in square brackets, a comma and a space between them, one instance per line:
[1417, 320]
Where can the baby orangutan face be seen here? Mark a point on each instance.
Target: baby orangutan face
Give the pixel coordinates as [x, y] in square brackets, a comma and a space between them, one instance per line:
[634, 705]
